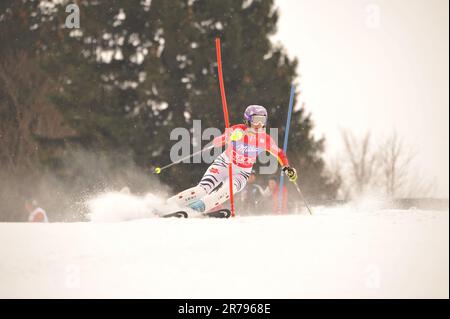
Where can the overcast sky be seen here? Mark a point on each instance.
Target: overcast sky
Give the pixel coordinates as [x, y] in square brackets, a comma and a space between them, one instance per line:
[375, 65]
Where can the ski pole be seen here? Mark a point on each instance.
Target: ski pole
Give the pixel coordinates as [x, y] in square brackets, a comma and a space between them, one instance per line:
[303, 197]
[158, 170]
[285, 144]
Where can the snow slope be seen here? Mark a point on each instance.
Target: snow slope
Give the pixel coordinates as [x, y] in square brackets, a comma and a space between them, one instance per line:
[334, 253]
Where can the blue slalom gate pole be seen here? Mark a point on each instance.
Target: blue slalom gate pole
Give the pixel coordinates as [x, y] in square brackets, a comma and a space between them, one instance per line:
[285, 145]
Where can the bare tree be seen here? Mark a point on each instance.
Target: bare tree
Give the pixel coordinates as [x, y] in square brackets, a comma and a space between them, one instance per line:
[24, 111]
[398, 176]
[336, 171]
[386, 169]
[394, 161]
[362, 160]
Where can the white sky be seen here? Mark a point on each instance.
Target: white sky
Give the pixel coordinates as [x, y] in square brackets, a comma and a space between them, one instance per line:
[375, 65]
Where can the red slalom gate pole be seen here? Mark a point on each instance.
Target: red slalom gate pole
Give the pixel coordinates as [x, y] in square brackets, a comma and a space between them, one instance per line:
[227, 120]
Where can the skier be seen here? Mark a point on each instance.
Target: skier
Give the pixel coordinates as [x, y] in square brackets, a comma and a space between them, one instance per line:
[247, 141]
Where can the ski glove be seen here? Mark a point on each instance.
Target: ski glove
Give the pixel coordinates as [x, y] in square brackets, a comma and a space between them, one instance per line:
[291, 173]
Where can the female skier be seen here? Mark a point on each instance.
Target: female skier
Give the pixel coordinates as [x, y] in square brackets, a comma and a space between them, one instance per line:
[247, 141]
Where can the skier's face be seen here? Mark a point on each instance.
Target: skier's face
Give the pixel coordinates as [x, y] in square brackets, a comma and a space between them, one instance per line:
[258, 127]
[258, 122]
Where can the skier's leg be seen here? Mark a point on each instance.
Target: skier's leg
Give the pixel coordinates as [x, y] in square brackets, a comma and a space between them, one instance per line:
[187, 196]
[216, 174]
[222, 194]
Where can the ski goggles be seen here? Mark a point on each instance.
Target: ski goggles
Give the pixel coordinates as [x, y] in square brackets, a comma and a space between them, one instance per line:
[261, 119]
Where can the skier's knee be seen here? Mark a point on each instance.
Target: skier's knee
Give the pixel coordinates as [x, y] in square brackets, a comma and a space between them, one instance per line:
[238, 186]
[203, 188]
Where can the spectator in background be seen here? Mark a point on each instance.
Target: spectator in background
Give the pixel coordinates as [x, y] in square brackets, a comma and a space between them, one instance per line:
[272, 191]
[250, 196]
[36, 214]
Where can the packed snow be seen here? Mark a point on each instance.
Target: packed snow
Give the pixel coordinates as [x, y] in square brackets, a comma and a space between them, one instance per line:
[341, 252]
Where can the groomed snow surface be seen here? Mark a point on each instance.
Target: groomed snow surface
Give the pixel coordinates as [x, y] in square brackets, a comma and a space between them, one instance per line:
[336, 253]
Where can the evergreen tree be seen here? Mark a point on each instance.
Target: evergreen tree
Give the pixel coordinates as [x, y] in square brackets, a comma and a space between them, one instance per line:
[136, 70]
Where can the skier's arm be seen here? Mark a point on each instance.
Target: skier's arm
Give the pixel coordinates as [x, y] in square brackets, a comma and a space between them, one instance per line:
[236, 132]
[273, 149]
[219, 141]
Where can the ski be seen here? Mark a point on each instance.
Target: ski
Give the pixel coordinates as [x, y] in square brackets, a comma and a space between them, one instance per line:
[221, 213]
[179, 214]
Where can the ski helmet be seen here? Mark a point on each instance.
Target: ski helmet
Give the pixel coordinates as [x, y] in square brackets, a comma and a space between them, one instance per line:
[257, 111]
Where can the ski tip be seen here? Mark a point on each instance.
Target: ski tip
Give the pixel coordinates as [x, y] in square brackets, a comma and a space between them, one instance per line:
[180, 214]
[221, 213]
